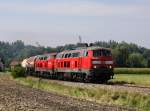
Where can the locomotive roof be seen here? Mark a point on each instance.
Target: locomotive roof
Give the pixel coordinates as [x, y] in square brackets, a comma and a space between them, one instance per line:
[95, 48]
[85, 48]
[48, 54]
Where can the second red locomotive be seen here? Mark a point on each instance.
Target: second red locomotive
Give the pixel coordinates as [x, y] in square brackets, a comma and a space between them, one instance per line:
[85, 64]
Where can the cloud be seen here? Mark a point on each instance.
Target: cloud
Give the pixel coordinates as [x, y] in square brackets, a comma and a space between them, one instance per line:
[74, 9]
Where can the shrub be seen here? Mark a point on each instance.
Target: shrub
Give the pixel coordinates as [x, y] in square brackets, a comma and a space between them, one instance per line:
[18, 71]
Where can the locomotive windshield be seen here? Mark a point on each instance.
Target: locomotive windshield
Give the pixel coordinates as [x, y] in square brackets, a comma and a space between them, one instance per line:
[97, 53]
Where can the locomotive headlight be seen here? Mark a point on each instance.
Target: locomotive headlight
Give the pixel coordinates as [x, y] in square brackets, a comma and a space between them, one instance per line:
[110, 67]
[94, 67]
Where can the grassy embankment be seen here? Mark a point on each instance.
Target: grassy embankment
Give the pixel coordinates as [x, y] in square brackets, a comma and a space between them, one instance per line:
[99, 95]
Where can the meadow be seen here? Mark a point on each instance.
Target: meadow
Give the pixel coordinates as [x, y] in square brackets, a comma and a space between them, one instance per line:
[133, 79]
[136, 76]
[133, 76]
[132, 71]
[99, 95]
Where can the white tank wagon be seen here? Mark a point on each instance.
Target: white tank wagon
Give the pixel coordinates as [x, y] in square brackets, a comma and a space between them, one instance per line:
[28, 64]
[24, 63]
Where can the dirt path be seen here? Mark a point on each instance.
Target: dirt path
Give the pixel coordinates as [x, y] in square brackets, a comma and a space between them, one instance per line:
[15, 97]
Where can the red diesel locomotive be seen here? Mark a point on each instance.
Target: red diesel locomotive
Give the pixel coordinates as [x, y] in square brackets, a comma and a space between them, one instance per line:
[84, 64]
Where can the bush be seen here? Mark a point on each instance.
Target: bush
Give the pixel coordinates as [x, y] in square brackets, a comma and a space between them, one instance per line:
[136, 60]
[18, 71]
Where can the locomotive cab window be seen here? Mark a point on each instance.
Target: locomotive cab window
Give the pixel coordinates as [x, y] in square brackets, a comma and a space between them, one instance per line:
[63, 56]
[66, 56]
[97, 53]
[107, 53]
[69, 55]
[45, 58]
[42, 58]
[77, 54]
[85, 54]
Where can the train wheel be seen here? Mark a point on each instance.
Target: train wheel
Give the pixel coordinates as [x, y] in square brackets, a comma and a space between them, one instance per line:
[104, 81]
[87, 79]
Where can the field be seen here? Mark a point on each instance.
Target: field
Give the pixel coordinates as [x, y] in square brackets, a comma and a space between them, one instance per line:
[105, 94]
[43, 96]
[134, 79]
[128, 89]
[134, 76]
[132, 70]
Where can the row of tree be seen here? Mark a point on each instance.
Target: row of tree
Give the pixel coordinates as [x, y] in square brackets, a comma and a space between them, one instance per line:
[124, 54]
[128, 54]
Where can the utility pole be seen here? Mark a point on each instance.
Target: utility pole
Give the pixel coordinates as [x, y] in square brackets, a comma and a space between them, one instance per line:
[80, 39]
[37, 43]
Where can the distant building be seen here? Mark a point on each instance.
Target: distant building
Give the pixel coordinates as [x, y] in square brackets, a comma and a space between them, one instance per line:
[14, 63]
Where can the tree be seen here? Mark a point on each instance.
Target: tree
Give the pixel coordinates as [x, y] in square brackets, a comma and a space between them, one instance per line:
[146, 53]
[136, 60]
[139, 56]
[148, 62]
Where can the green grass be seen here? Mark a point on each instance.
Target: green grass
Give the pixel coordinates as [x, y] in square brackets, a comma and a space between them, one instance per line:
[132, 70]
[137, 79]
[4, 73]
[99, 95]
[137, 76]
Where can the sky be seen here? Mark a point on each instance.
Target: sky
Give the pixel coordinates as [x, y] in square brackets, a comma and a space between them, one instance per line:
[58, 22]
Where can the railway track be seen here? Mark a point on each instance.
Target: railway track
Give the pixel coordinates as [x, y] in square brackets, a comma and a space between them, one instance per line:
[115, 87]
[109, 86]
[125, 87]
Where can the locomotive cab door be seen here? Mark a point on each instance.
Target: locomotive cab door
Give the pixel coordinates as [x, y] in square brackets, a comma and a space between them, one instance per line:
[85, 61]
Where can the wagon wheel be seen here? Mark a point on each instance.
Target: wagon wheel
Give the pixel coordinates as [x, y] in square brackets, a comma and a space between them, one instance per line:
[87, 79]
